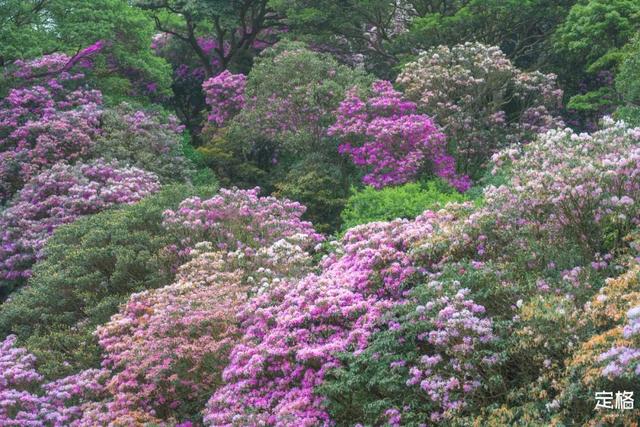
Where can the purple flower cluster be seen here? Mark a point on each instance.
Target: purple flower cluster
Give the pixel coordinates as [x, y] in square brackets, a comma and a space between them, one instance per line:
[385, 134]
[58, 196]
[454, 328]
[293, 333]
[58, 404]
[44, 123]
[225, 96]
[624, 360]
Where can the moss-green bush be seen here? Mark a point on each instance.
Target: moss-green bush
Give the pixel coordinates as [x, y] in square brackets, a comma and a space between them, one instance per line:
[91, 267]
[405, 201]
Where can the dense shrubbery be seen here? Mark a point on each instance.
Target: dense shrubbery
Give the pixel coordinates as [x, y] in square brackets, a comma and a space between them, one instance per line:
[133, 292]
[91, 266]
[404, 201]
[481, 99]
[59, 196]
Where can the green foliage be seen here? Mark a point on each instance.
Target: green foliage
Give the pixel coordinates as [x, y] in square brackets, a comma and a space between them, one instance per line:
[124, 67]
[279, 142]
[92, 266]
[233, 24]
[320, 186]
[589, 46]
[520, 28]
[628, 85]
[405, 201]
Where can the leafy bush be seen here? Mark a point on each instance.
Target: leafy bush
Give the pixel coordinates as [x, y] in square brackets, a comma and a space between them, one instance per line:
[59, 196]
[280, 135]
[90, 267]
[385, 135]
[404, 201]
[482, 101]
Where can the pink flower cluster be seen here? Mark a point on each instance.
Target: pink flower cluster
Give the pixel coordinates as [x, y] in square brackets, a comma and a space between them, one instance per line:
[385, 134]
[58, 196]
[44, 123]
[238, 219]
[58, 404]
[293, 333]
[571, 186]
[225, 95]
[167, 347]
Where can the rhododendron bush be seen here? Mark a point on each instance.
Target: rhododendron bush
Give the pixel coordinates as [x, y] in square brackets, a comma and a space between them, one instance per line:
[44, 121]
[481, 99]
[294, 332]
[408, 233]
[579, 187]
[58, 196]
[59, 403]
[385, 134]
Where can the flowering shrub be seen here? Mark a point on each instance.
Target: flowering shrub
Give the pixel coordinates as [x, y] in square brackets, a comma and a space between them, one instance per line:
[58, 196]
[57, 404]
[429, 357]
[145, 140]
[225, 96]
[293, 333]
[573, 188]
[482, 101]
[237, 219]
[385, 134]
[57, 313]
[168, 346]
[40, 126]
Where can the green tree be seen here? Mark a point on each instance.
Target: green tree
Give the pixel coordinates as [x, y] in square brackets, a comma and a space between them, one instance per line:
[279, 142]
[232, 25]
[126, 64]
[590, 45]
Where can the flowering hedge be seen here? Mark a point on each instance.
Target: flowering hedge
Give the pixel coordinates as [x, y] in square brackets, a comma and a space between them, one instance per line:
[143, 139]
[58, 196]
[429, 357]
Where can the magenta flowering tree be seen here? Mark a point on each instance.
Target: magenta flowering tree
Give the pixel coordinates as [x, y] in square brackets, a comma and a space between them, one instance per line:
[385, 135]
[225, 96]
[58, 196]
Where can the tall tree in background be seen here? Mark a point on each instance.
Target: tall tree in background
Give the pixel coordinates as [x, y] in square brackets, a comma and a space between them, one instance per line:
[127, 65]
